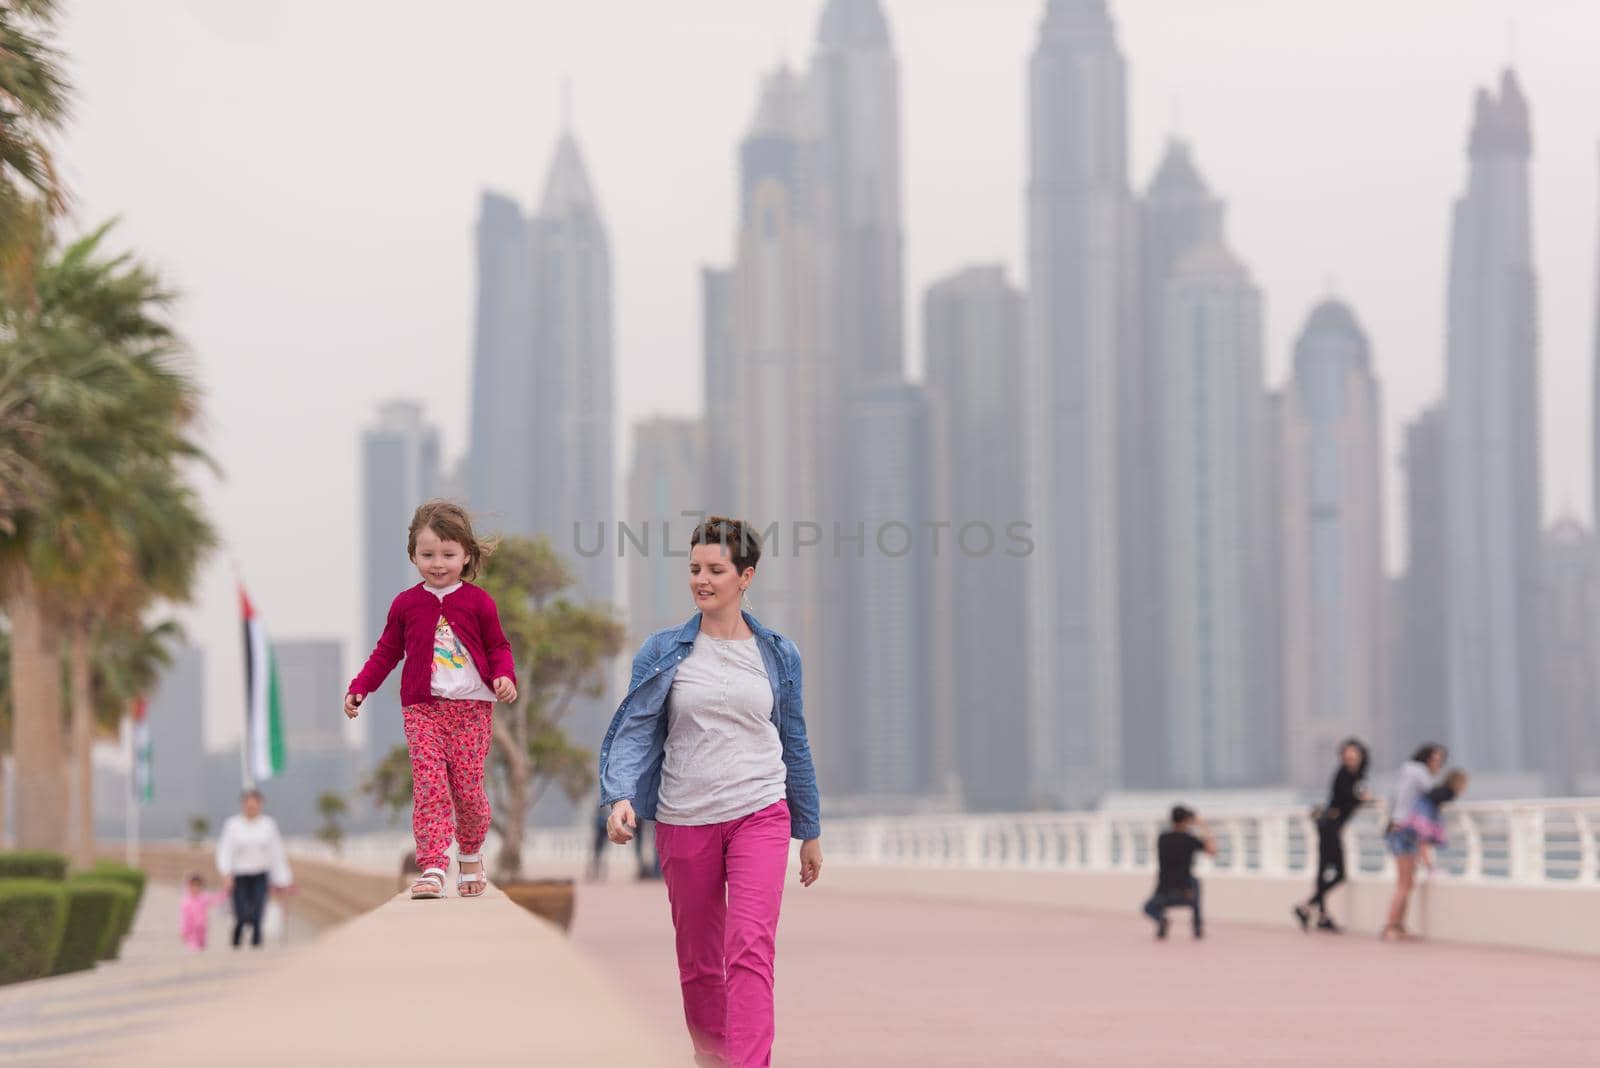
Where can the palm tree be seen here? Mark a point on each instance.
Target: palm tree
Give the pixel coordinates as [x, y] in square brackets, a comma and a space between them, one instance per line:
[112, 413]
[150, 548]
[34, 97]
[5, 722]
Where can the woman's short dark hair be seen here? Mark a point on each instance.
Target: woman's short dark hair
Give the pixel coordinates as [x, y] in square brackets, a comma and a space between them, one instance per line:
[1426, 753]
[735, 535]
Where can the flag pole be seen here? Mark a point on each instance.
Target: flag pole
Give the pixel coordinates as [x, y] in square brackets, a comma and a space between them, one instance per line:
[131, 836]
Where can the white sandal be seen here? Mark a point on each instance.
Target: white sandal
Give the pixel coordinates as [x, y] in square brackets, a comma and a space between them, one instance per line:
[465, 879]
[430, 884]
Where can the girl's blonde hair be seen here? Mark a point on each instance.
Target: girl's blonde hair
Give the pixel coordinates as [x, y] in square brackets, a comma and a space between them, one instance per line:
[450, 522]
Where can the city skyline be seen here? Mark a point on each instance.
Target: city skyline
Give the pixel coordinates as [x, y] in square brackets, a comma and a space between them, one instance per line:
[1005, 211]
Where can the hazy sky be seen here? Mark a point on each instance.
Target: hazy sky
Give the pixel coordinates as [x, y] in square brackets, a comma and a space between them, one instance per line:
[307, 173]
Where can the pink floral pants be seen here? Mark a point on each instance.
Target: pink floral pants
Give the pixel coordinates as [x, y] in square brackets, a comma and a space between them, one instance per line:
[449, 744]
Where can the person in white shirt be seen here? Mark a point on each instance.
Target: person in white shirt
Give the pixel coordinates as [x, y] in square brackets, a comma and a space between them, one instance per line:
[250, 856]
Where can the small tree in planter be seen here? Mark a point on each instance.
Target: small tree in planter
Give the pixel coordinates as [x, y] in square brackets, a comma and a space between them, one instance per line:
[332, 806]
[199, 829]
[562, 649]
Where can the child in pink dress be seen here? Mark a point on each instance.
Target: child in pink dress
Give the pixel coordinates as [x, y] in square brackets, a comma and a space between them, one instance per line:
[193, 914]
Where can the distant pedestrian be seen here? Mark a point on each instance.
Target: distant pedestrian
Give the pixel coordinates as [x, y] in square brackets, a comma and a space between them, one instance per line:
[1348, 793]
[252, 860]
[1176, 885]
[1427, 815]
[710, 742]
[194, 913]
[647, 870]
[448, 632]
[1416, 778]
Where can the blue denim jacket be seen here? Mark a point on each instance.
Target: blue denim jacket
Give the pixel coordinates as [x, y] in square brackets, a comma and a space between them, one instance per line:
[630, 757]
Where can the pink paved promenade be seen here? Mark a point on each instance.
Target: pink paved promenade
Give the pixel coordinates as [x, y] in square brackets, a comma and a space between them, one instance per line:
[870, 980]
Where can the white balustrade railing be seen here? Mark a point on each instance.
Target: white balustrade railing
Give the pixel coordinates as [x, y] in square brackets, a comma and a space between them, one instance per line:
[1529, 842]
[381, 851]
[1553, 842]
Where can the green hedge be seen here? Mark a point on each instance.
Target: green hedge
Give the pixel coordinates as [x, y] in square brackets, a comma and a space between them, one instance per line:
[33, 864]
[133, 878]
[33, 917]
[94, 907]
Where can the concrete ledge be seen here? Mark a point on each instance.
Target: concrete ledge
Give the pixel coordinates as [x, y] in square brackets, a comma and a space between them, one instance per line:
[325, 893]
[1559, 919]
[418, 982]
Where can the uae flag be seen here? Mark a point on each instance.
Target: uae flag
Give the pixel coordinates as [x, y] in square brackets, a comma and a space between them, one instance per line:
[263, 708]
[143, 786]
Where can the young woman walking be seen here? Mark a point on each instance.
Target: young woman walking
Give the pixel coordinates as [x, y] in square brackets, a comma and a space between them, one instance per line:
[1416, 778]
[710, 742]
[1348, 793]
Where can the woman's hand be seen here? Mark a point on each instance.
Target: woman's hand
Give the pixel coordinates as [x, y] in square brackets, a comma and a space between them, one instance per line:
[505, 689]
[621, 824]
[810, 861]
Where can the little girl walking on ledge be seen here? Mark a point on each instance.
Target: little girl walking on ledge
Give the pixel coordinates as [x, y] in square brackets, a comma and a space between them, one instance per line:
[448, 632]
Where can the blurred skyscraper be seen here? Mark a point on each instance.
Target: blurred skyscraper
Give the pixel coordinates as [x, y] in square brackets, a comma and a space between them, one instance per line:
[668, 476]
[1333, 585]
[1080, 331]
[1422, 660]
[1213, 407]
[720, 359]
[399, 470]
[892, 733]
[1492, 448]
[856, 84]
[312, 680]
[572, 403]
[972, 336]
[541, 452]
[766, 376]
[1177, 214]
[1570, 729]
[176, 718]
[799, 333]
[501, 443]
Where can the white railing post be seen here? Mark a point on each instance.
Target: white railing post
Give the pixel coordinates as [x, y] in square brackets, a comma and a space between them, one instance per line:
[1587, 861]
[1525, 829]
[1472, 869]
[1098, 845]
[1274, 843]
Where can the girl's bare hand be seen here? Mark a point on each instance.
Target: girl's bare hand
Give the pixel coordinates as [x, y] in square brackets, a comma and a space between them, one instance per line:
[505, 689]
[810, 861]
[352, 704]
[621, 824]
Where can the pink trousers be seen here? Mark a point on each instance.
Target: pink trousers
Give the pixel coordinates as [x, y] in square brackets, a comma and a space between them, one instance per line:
[725, 885]
[449, 744]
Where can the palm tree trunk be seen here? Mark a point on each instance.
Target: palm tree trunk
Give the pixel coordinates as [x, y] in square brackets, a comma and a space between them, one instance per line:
[82, 749]
[36, 721]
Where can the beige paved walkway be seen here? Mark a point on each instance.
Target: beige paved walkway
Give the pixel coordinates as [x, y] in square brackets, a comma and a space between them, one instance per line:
[871, 980]
[63, 1020]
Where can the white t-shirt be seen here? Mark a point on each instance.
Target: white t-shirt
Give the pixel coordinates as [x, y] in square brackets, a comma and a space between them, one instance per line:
[723, 757]
[252, 847]
[455, 677]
